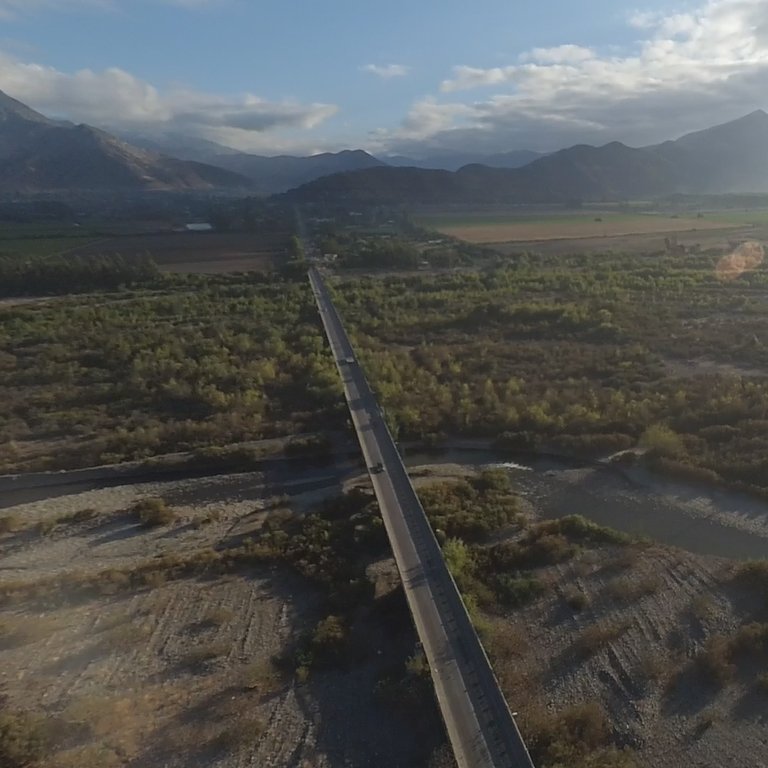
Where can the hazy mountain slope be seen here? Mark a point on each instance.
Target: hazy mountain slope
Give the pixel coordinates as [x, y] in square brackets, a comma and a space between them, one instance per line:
[452, 161]
[380, 185]
[610, 172]
[178, 145]
[278, 174]
[18, 125]
[42, 155]
[727, 158]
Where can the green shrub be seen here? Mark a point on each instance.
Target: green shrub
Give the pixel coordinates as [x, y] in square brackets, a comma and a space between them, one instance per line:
[24, 739]
[261, 676]
[518, 590]
[153, 513]
[578, 528]
[537, 548]
[579, 735]
[754, 575]
[576, 599]
[329, 639]
[715, 661]
[660, 440]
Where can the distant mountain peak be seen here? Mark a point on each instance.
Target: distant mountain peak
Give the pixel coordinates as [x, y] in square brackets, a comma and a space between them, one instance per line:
[11, 106]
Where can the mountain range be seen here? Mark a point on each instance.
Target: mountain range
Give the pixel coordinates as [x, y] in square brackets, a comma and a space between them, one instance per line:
[732, 157]
[280, 173]
[38, 154]
[42, 155]
[452, 161]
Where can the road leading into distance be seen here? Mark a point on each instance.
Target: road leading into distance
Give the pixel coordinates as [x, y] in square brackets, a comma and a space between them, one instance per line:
[480, 726]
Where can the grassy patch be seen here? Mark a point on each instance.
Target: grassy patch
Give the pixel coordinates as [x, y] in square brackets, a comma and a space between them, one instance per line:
[628, 589]
[595, 638]
[579, 735]
[24, 739]
[10, 524]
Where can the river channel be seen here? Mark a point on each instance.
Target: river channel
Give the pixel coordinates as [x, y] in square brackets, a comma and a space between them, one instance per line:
[699, 519]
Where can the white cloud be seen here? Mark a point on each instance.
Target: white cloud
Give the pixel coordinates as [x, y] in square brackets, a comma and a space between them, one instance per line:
[561, 54]
[427, 117]
[687, 71]
[114, 98]
[387, 71]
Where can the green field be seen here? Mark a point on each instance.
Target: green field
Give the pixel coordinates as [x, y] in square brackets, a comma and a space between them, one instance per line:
[41, 246]
[554, 218]
[539, 226]
[757, 218]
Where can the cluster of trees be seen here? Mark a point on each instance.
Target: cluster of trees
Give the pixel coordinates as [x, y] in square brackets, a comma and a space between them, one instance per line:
[223, 360]
[471, 509]
[379, 253]
[361, 251]
[62, 274]
[583, 355]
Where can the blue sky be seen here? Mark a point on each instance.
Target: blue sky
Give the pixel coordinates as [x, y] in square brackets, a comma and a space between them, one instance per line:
[413, 77]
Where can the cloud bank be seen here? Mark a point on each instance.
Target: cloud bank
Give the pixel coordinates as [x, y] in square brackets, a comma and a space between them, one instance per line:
[115, 99]
[686, 71]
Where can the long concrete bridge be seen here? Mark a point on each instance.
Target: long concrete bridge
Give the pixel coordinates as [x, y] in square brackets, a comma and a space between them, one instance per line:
[480, 726]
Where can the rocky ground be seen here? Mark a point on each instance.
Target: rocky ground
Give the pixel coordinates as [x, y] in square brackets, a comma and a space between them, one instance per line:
[626, 629]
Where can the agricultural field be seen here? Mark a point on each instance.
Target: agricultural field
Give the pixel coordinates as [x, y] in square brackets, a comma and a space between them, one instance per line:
[186, 252]
[42, 246]
[503, 228]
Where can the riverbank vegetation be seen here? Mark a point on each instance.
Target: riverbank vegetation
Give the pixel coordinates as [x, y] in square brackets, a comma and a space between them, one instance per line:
[60, 274]
[589, 354]
[198, 361]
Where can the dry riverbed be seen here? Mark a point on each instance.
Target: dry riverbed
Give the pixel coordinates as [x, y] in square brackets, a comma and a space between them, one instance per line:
[181, 672]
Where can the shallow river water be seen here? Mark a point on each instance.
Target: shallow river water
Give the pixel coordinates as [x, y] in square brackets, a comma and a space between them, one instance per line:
[697, 518]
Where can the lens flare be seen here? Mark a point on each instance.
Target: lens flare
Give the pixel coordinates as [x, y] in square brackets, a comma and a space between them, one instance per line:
[747, 257]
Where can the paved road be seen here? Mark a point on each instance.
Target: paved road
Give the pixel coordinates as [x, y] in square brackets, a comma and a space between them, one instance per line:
[480, 726]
